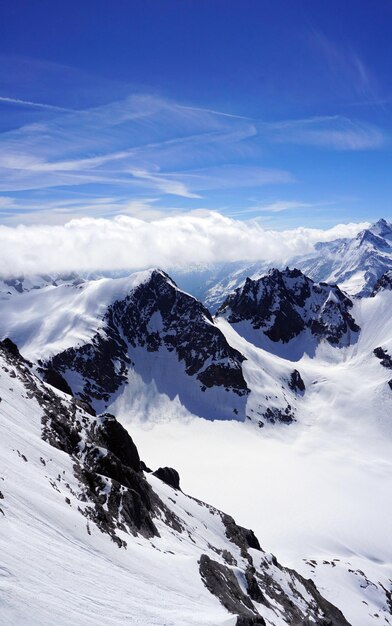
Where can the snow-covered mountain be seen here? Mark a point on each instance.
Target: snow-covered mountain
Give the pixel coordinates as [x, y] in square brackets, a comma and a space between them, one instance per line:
[13, 286]
[139, 346]
[87, 536]
[126, 341]
[286, 305]
[211, 284]
[354, 264]
[294, 379]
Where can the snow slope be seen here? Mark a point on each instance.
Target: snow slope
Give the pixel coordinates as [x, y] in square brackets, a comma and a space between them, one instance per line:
[185, 563]
[51, 319]
[11, 286]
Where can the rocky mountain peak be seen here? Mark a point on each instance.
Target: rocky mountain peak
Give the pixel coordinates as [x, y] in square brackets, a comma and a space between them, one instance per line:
[164, 321]
[368, 237]
[382, 228]
[282, 304]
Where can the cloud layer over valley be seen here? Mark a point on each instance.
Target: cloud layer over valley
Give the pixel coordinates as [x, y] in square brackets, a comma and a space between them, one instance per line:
[124, 242]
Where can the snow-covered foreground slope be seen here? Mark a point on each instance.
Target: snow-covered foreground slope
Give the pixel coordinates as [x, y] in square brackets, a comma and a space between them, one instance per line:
[87, 538]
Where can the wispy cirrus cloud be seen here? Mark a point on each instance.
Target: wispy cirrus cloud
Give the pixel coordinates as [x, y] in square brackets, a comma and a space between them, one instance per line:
[150, 147]
[333, 132]
[61, 212]
[164, 183]
[144, 143]
[29, 103]
[278, 206]
[346, 68]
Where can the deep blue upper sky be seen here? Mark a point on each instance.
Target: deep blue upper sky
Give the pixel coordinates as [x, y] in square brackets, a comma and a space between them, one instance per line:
[278, 109]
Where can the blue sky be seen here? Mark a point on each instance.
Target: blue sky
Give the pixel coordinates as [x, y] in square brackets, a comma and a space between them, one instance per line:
[278, 111]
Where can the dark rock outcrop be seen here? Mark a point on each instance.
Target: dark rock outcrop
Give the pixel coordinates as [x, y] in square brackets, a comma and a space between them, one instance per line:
[221, 581]
[55, 379]
[169, 476]
[385, 358]
[296, 383]
[275, 415]
[242, 537]
[10, 347]
[282, 304]
[265, 586]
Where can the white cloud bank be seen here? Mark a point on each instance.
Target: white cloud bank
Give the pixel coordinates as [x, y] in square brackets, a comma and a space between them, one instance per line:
[124, 242]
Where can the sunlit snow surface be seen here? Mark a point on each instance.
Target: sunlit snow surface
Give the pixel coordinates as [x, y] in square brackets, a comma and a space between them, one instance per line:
[52, 571]
[318, 493]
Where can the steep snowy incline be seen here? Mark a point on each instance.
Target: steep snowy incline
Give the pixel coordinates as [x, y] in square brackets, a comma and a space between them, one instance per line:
[86, 537]
[46, 321]
[318, 491]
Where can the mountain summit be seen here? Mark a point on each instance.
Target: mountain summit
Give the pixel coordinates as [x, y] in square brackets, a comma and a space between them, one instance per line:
[355, 264]
[285, 304]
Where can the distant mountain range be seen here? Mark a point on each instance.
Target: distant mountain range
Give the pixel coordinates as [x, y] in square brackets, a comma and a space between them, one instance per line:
[354, 264]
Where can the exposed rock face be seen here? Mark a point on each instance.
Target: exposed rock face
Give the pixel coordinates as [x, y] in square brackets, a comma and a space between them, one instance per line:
[106, 460]
[284, 304]
[10, 348]
[383, 283]
[264, 586]
[296, 383]
[55, 379]
[155, 315]
[385, 358]
[221, 581]
[283, 415]
[244, 538]
[169, 476]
